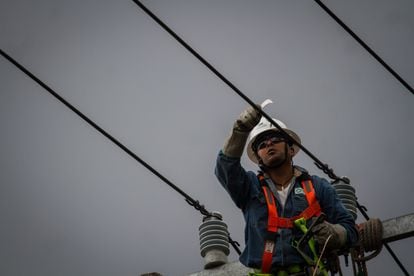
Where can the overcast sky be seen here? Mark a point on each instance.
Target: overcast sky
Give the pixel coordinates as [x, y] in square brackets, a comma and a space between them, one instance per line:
[72, 203]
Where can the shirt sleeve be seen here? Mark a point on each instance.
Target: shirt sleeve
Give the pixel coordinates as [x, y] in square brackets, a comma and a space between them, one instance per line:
[234, 178]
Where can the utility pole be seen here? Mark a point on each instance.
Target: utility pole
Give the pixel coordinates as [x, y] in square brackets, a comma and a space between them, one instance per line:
[377, 233]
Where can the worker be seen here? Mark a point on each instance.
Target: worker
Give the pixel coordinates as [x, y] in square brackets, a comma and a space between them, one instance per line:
[270, 231]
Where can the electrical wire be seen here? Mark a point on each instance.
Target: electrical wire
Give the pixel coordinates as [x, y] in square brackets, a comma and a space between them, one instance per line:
[323, 166]
[195, 203]
[365, 46]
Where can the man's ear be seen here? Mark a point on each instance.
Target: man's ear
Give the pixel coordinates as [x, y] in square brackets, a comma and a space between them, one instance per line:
[292, 150]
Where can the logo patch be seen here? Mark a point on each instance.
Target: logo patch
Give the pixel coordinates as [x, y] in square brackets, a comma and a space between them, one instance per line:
[299, 191]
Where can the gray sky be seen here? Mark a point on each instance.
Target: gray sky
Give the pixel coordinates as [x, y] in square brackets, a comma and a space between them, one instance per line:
[72, 203]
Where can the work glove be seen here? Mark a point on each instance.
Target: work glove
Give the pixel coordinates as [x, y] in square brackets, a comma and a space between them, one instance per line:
[234, 144]
[336, 232]
[248, 119]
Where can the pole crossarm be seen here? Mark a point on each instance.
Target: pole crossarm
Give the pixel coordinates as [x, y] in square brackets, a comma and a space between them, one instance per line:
[398, 228]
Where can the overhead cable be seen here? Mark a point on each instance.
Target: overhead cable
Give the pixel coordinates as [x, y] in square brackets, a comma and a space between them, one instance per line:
[323, 166]
[195, 203]
[365, 46]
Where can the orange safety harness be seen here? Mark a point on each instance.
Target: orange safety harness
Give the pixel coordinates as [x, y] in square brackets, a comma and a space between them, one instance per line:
[275, 222]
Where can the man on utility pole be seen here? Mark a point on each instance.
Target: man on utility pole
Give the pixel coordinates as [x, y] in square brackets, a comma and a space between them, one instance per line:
[281, 203]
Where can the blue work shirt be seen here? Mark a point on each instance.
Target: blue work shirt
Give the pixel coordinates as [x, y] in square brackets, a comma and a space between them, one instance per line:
[245, 190]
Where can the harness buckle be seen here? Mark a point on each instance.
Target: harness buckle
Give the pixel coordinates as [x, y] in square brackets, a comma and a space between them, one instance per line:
[269, 246]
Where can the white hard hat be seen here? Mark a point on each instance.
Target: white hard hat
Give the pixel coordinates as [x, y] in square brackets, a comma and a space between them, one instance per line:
[265, 125]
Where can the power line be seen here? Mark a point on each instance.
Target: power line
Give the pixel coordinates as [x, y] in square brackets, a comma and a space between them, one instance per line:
[365, 46]
[323, 166]
[195, 203]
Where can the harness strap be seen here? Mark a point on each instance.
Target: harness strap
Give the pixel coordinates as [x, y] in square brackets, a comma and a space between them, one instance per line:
[274, 222]
[272, 226]
[272, 219]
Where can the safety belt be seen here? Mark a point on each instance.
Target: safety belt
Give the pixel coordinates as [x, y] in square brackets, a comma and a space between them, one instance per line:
[274, 222]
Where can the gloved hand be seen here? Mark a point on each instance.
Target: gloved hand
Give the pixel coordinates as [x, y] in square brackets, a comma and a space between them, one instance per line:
[235, 143]
[248, 119]
[323, 230]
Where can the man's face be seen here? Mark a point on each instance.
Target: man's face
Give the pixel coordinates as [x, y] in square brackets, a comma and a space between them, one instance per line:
[271, 149]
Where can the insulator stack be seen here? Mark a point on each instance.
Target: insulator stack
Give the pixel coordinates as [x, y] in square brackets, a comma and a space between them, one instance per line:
[214, 240]
[347, 195]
